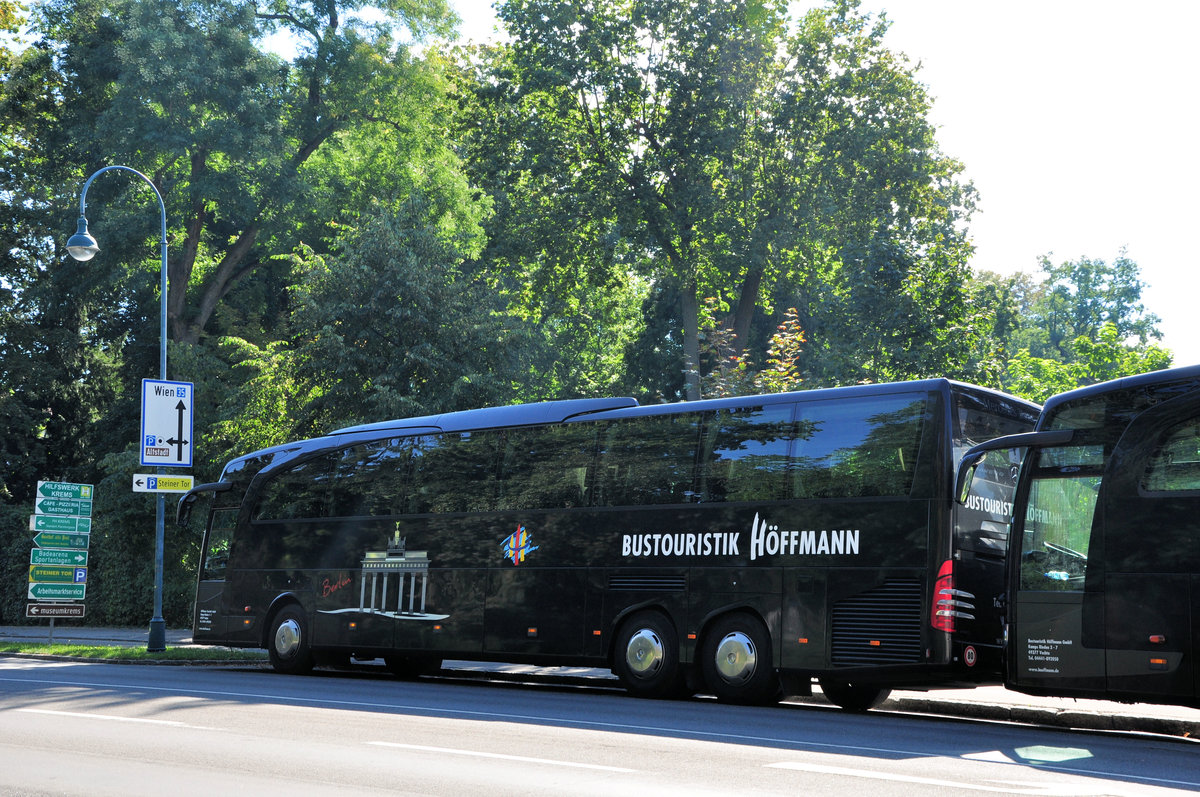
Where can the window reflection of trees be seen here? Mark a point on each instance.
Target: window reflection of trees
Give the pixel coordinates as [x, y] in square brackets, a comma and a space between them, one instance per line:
[853, 448]
[842, 448]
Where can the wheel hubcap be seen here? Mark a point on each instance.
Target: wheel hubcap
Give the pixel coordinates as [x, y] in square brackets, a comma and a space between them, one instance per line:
[287, 638]
[644, 655]
[736, 658]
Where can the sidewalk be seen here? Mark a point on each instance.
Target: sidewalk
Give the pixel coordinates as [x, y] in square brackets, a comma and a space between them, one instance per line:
[984, 703]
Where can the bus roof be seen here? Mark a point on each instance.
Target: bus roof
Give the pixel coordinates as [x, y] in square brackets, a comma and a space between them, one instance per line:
[1132, 393]
[597, 408]
[509, 415]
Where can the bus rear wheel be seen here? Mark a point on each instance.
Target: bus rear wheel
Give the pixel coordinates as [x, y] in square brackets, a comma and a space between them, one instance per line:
[288, 643]
[646, 656]
[735, 658]
[853, 697]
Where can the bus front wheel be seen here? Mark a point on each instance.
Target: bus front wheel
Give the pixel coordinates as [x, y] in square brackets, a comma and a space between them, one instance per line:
[735, 658]
[288, 643]
[853, 697]
[646, 657]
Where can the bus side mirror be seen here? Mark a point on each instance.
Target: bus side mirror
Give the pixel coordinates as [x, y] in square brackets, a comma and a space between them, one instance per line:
[966, 475]
[183, 512]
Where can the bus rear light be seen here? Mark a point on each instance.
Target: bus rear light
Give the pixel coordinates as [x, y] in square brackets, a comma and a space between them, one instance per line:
[1157, 639]
[949, 604]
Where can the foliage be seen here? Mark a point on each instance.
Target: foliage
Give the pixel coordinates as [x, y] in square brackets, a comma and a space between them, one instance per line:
[372, 225]
[747, 160]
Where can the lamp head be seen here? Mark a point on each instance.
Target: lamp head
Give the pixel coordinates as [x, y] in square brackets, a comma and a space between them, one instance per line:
[82, 246]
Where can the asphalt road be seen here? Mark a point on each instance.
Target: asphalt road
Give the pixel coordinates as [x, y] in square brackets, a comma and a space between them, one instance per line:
[98, 729]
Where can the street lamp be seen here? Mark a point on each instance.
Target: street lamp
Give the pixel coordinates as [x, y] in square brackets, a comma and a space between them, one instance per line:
[83, 247]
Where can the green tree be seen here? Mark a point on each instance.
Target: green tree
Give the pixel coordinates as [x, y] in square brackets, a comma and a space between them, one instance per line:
[395, 324]
[745, 161]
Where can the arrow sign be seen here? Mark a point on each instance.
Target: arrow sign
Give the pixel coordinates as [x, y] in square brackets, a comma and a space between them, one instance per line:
[63, 506]
[56, 556]
[57, 592]
[54, 539]
[167, 423]
[57, 574]
[54, 610]
[80, 525]
[65, 490]
[151, 483]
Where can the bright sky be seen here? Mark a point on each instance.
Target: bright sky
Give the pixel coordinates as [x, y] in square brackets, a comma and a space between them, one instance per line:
[1077, 122]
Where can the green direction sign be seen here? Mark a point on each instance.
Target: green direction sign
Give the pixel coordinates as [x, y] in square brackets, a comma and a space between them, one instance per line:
[64, 506]
[57, 592]
[69, 490]
[77, 525]
[57, 574]
[55, 556]
[53, 539]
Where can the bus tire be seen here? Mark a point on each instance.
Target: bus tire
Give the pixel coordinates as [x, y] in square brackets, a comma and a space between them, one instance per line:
[646, 656]
[735, 658]
[288, 644]
[853, 697]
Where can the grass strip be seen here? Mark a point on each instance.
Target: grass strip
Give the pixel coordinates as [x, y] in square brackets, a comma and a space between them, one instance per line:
[118, 653]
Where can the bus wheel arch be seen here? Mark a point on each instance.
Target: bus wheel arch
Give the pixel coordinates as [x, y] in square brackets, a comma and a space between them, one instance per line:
[288, 644]
[736, 659]
[646, 655]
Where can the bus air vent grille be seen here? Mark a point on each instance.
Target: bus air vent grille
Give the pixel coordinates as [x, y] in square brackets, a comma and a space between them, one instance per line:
[648, 583]
[879, 626]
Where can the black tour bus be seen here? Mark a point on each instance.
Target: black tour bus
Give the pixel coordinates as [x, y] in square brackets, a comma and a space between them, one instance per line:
[1104, 570]
[741, 546]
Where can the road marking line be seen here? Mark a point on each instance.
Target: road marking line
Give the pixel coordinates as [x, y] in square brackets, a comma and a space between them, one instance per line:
[501, 756]
[86, 715]
[1046, 789]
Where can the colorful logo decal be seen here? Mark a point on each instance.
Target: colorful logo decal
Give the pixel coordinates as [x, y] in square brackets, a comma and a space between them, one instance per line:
[518, 545]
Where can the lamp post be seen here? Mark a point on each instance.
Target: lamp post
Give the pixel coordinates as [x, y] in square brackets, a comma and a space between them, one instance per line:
[82, 246]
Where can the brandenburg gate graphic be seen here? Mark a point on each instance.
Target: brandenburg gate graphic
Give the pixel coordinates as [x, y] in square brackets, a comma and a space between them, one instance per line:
[407, 568]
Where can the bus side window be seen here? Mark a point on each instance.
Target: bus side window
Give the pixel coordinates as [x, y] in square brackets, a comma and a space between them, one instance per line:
[299, 492]
[216, 553]
[858, 447]
[372, 479]
[649, 460]
[455, 472]
[746, 454]
[1058, 518]
[1175, 465]
[547, 467]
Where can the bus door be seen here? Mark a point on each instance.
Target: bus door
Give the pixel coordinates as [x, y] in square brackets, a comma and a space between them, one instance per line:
[1150, 505]
[1052, 577]
[212, 616]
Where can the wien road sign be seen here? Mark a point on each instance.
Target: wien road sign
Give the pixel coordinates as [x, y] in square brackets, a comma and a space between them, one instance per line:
[54, 610]
[63, 506]
[151, 483]
[57, 574]
[57, 556]
[57, 592]
[54, 539]
[65, 490]
[167, 423]
[74, 525]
